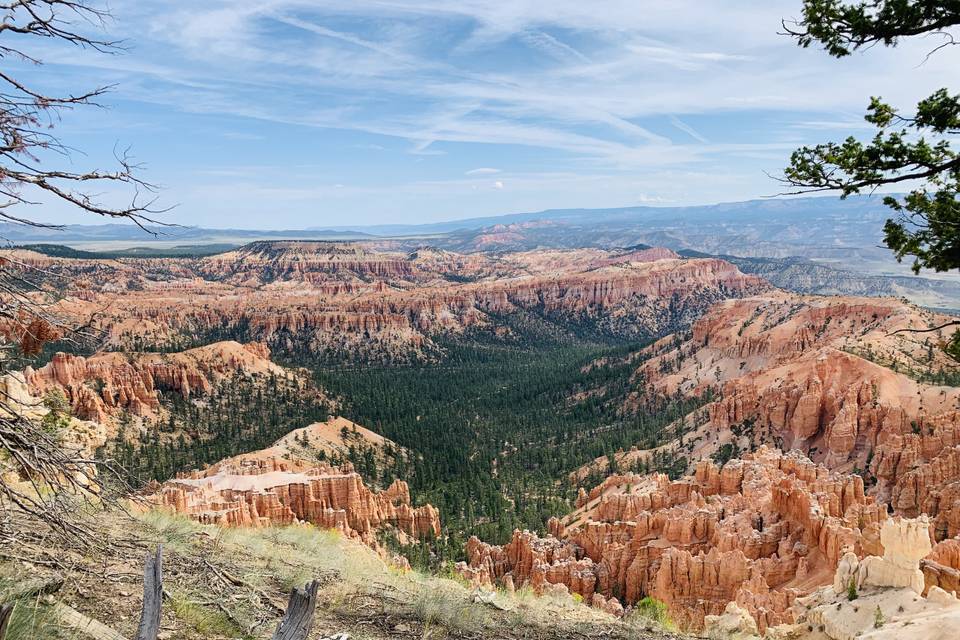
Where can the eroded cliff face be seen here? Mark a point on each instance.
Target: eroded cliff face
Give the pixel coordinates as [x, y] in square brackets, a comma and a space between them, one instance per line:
[760, 531]
[100, 386]
[382, 300]
[737, 338]
[257, 491]
[846, 394]
[828, 376]
[942, 567]
[887, 605]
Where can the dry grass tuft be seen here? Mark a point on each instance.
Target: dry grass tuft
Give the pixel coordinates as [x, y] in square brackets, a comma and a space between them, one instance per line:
[33, 618]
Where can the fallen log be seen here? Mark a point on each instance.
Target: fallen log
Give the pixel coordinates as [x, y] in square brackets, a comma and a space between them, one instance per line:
[94, 629]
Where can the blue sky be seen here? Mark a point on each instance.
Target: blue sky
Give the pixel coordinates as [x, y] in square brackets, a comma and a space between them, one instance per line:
[290, 114]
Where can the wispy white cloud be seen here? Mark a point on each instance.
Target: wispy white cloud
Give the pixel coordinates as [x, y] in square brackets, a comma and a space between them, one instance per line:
[687, 129]
[563, 84]
[553, 47]
[638, 48]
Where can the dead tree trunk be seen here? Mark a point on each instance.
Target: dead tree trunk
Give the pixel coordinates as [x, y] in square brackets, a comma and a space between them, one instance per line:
[6, 610]
[152, 596]
[298, 619]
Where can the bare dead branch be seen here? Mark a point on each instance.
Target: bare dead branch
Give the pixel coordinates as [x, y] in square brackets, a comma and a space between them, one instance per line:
[951, 323]
[152, 596]
[27, 114]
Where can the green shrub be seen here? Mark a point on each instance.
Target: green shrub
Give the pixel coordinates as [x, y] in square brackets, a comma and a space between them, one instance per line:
[878, 618]
[654, 611]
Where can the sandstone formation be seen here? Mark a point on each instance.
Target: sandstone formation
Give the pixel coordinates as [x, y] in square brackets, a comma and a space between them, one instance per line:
[760, 532]
[905, 543]
[387, 300]
[877, 597]
[99, 386]
[15, 394]
[918, 471]
[828, 376]
[942, 567]
[80, 437]
[745, 347]
[735, 623]
[257, 491]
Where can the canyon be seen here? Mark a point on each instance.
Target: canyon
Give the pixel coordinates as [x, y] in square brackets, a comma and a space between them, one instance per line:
[382, 300]
[847, 381]
[857, 391]
[852, 382]
[817, 420]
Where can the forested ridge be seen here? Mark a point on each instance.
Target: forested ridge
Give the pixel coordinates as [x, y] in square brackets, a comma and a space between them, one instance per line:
[244, 413]
[494, 425]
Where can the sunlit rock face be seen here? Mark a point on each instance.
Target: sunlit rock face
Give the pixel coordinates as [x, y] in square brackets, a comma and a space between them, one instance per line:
[879, 596]
[844, 380]
[105, 384]
[382, 300]
[760, 531]
[258, 491]
[834, 377]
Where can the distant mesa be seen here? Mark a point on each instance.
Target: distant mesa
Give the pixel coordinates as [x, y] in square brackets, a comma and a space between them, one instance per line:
[385, 301]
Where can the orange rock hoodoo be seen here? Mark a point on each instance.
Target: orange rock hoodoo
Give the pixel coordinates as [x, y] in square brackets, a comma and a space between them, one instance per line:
[759, 531]
[378, 299]
[918, 471]
[98, 386]
[831, 377]
[256, 492]
[942, 567]
[827, 376]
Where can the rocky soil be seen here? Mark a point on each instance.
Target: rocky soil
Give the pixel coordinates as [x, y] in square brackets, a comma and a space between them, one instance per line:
[229, 584]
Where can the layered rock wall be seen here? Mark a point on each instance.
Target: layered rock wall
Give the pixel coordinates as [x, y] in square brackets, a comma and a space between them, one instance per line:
[381, 301]
[256, 492]
[98, 386]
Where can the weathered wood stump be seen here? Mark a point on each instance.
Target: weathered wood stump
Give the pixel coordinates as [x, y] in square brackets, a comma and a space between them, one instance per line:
[152, 596]
[298, 619]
